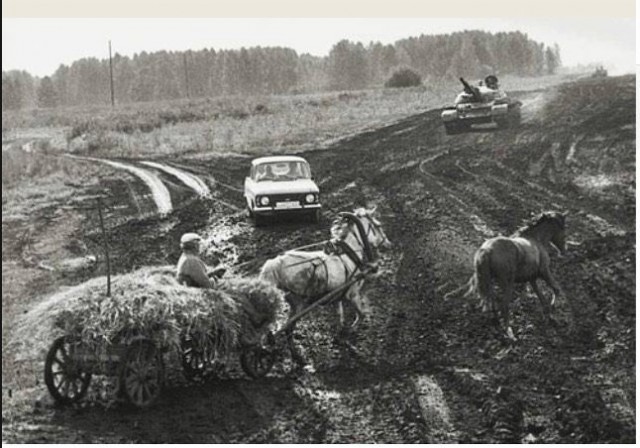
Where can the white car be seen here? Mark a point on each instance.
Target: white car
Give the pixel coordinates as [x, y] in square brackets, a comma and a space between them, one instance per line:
[281, 184]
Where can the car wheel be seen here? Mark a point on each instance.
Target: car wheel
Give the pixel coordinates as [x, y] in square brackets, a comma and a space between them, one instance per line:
[259, 220]
[314, 216]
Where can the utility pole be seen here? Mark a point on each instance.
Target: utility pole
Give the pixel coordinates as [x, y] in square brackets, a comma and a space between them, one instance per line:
[186, 74]
[113, 100]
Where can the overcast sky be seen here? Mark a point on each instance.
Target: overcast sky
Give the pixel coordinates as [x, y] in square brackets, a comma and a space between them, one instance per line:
[41, 45]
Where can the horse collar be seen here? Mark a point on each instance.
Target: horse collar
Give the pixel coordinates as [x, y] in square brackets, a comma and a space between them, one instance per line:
[348, 250]
[368, 253]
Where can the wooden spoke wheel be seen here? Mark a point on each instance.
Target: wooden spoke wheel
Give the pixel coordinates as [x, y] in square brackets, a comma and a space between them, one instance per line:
[257, 360]
[63, 374]
[199, 363]
[142, 373]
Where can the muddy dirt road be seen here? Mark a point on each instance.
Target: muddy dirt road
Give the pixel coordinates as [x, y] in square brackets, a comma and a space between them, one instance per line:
[424, 369]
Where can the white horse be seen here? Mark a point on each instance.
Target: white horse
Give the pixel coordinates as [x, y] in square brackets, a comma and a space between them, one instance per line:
[307, 276]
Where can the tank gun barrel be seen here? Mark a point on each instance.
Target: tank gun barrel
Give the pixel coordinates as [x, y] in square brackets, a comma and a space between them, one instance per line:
[471, 90]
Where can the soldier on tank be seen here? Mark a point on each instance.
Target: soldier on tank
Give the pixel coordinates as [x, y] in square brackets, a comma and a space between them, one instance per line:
[491, 82]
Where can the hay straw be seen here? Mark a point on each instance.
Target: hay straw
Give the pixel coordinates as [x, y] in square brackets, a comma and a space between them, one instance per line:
[150, 303]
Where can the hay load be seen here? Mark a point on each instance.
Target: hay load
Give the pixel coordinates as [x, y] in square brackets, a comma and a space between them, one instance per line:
[149, 302]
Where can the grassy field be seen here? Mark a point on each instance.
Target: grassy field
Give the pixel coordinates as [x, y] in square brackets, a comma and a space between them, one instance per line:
[252, 125]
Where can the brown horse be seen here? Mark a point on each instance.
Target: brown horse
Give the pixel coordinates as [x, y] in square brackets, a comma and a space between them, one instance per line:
[521, 258]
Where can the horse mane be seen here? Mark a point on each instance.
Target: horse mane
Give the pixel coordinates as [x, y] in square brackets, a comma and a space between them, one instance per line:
[362, 212]
[533, 223]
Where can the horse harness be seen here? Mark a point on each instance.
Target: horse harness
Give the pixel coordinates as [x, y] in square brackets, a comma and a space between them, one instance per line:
[339, 247]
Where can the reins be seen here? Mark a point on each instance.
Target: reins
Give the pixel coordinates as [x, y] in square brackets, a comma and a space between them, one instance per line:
[348, 250]
[307, 246]
[361, 237]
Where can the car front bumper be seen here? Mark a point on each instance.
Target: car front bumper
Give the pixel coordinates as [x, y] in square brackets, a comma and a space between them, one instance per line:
[274, 210]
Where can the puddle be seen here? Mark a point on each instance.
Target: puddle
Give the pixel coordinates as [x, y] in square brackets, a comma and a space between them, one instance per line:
[433, 405]
[597, 182]
[216, 241]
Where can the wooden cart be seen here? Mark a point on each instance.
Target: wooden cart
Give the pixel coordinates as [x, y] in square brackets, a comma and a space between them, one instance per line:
[257, 358]
[137, 362]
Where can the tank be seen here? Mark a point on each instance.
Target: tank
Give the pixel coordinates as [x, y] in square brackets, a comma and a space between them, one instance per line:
[481, 105]
[600, 72]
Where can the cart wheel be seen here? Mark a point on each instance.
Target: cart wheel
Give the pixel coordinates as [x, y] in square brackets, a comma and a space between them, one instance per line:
[66, 382]
[199, 364]
[142, 373]
[256, 361]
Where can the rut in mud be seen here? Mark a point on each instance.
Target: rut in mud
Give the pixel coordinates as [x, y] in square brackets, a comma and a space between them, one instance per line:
[190, 180]
[423, 369]
[159, 191]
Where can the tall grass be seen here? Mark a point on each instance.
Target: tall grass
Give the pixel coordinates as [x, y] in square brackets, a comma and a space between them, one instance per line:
[260, 125]
[36, 161]
[39, 178]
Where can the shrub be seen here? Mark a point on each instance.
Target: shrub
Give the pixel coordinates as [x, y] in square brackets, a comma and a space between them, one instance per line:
[404, 77]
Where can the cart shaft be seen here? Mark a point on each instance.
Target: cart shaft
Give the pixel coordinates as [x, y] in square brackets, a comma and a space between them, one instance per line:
[328, 298]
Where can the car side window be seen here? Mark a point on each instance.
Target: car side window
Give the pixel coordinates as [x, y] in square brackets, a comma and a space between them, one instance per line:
[294, 170]
[306, 171]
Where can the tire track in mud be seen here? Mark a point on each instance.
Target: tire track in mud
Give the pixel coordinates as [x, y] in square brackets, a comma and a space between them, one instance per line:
[190, 180]
[509, 191]
[590, 224]
[159, 191]
[478, 223]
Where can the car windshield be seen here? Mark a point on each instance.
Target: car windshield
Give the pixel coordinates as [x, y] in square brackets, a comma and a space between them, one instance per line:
[282, 171]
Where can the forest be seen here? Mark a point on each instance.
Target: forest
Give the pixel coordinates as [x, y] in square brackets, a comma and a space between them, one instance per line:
[165, 75]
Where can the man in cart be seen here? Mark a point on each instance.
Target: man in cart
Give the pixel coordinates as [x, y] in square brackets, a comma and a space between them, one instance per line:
[191, 270]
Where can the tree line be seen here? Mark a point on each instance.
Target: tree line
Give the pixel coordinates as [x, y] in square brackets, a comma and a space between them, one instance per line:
[350, 65]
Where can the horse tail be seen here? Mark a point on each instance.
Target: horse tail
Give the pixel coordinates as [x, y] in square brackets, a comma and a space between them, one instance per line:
[482, 278]
[469, 285]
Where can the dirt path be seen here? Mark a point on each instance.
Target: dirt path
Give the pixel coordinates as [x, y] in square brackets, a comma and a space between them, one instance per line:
[159, 191]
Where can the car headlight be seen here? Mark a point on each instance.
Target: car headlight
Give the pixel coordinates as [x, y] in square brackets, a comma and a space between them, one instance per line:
[310, 198]
[264, 200]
